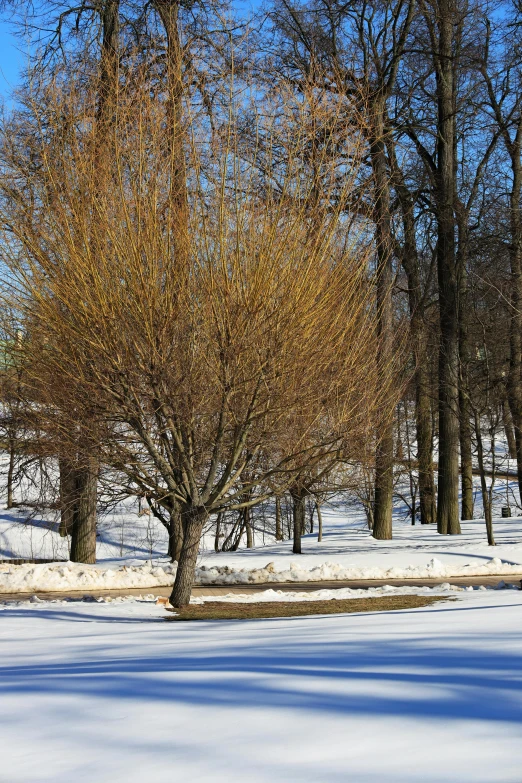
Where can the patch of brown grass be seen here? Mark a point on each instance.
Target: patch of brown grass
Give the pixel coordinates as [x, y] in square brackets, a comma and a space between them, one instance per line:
[219, 610]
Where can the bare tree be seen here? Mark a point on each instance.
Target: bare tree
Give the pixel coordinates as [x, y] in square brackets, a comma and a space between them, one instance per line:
[189, 383]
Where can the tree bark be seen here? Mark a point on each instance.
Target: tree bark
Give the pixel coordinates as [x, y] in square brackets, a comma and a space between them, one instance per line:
[278, 529]
[68, 496]
[248, 527]
[507, 421]
[448, 487]
[83, 540]
[218, 532]
[193, 520]
[383, 499]
[175, 530]
[298, 514]
[486, 502]
[319, 522]
[10, 473]
[466, 461]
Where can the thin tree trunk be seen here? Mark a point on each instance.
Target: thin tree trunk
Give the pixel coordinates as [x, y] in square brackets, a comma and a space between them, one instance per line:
[466, 459]
[319, 521]
[10, 474]
[278, 529]
[298, 514]
[218, 531]
[239, 535]
[193, 520]
[248, 527]
[486, 501]
[227, 542]
[424, 431]
[83, 540]
[413, 489]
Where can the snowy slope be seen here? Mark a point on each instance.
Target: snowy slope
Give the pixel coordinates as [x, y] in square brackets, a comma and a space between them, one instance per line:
[131, 553]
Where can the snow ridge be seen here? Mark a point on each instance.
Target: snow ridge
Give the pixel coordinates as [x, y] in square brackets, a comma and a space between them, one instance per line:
[58, 577]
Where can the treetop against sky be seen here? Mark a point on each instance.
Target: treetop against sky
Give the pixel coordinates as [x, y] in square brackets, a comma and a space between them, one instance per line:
[14, 52]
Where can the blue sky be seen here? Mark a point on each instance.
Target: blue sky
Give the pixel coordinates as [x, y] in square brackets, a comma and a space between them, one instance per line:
[11, 58]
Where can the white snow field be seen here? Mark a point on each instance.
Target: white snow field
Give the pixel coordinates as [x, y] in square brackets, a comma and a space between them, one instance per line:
[131, 554]
[108, 692]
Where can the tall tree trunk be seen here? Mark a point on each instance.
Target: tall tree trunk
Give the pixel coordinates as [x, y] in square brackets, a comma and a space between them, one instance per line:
[10, 473]
[298, 514]
[383, 501]
[514, 384]
[193, 520]
[423, 422]
[507, 422]
[168, 11]
[424, 431]
[449, 431]
[278, 528]
[466, 460]
[248, 527]
[83, 541]
[510, 126]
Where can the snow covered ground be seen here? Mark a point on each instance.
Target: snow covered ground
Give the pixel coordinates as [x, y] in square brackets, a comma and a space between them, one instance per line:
[109, 692]
[131, 554]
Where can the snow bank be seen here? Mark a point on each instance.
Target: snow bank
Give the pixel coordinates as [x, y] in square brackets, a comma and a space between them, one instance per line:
[61, 577]
[326, 572]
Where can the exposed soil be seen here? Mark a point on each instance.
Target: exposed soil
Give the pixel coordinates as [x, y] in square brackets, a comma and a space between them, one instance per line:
[220, 610]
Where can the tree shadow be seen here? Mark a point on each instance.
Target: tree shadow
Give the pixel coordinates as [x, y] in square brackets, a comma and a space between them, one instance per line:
[244, 665]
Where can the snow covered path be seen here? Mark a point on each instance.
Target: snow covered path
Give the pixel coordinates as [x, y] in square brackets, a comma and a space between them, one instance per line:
[110, 692]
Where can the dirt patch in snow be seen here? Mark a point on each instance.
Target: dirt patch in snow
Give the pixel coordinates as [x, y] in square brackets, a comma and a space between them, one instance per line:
[218, 610]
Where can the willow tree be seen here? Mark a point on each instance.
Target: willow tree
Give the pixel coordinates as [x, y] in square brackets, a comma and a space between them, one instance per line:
[208, 384]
